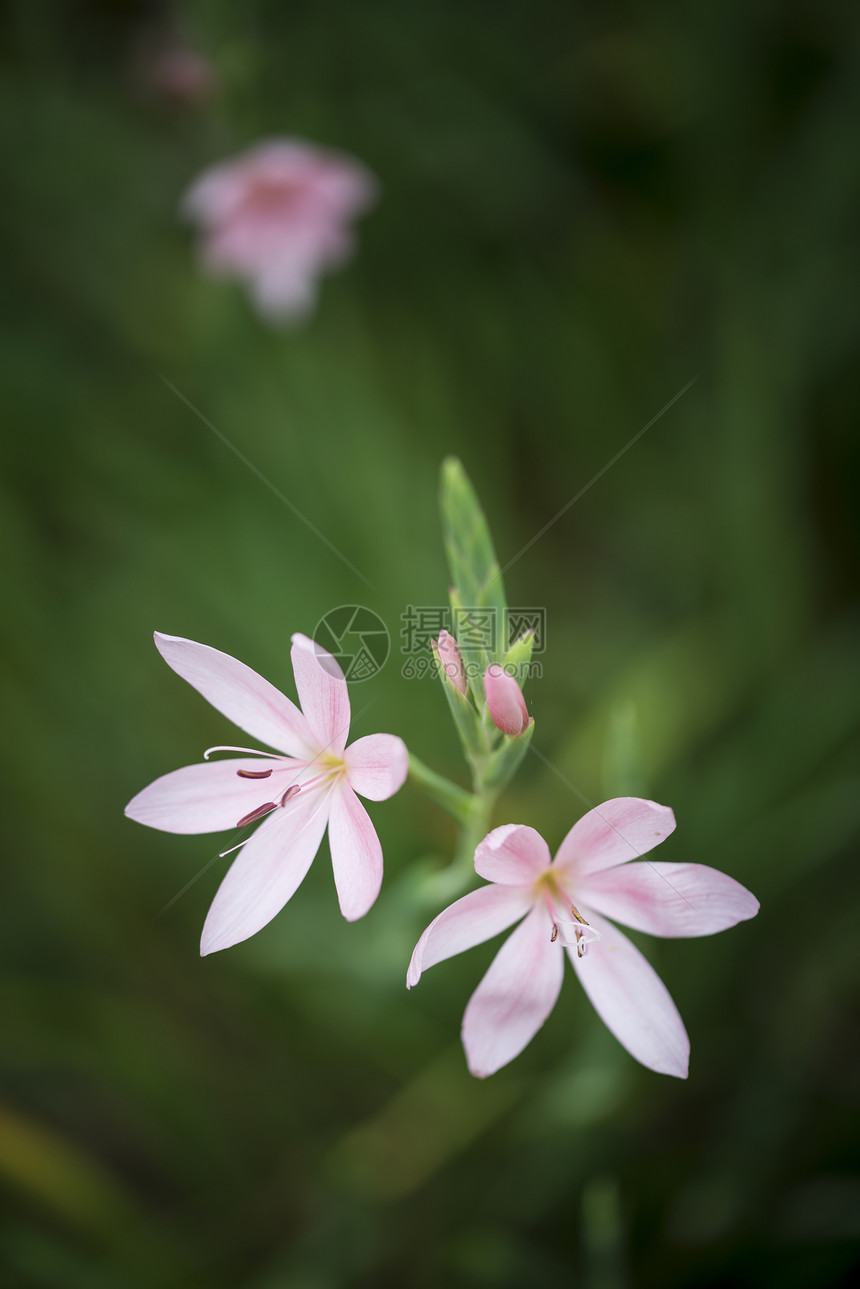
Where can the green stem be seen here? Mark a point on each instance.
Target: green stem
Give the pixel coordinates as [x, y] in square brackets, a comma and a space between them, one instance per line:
[474, 829]
[457, 801]
[459, 876]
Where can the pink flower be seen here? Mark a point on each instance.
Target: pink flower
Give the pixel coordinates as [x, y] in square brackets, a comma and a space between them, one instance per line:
[447, 651]
[505, 701]
[276, 217]
[310, 782]
[564, 902]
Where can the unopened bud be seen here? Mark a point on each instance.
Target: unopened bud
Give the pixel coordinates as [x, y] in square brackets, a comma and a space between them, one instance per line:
[447, 651]
[505, 701]
[181, 75]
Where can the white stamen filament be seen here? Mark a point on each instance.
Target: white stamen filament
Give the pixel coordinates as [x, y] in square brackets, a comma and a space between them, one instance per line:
[577, 932]
[238, 846]
[227, 747]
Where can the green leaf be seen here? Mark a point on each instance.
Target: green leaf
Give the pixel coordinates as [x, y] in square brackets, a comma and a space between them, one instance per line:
[506, 760]
[478, 594]
[475, 661]
[516, 660]
[465, 717]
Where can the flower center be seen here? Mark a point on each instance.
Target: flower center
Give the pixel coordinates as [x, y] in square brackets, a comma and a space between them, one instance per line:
[334, 766]
[272, 196]
[568, 924]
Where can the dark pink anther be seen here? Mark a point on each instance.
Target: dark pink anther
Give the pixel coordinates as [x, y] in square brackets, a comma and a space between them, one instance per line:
[265, 809]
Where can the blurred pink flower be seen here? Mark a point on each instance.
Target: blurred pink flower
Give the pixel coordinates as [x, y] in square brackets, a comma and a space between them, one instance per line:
[564, 902]
[313, 785]
[276, 216]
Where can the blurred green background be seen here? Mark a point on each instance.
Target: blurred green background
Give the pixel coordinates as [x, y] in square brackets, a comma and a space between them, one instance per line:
[580, 211]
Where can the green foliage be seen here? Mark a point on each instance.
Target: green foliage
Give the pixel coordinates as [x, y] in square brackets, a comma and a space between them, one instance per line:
[464, 715]
[475, 575]
[507, 758]
[518, 657]
[477, 592]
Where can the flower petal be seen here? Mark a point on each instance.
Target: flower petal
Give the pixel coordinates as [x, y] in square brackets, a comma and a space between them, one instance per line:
[631, 1000]
[621, 829]
[322, 693]
[513, 855]
[267, 872]
[669, 899]
[471, 920]
[515, 997]
[239, 693]
[377, 765]
[356, 855]
[282, 290]
[215, 195]
[208, 797]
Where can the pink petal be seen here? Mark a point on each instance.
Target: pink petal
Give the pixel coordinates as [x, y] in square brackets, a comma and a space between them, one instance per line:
[469, 921]
[282, 292]
[284, 156]
[239, 693]
[515, 997]
[344, 185]
[356, 855]
[631, 1000]
[337, 186]
[208, 797]
[668, 899]
[377, 766]
[621, 829]
[322, 693]
[267, 872]
[222, 192]
[216, 194]
[513, 854]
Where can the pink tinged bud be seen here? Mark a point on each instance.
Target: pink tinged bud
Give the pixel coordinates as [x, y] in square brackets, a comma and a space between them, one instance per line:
[505, 701]
[447, 651]
[182, 76]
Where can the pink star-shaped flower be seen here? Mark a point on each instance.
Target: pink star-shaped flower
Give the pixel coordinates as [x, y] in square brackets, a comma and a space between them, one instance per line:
[311, 782]
[564, 902]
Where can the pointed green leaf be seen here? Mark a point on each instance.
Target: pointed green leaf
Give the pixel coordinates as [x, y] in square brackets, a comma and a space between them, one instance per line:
[478, 596]
[517, 659]
[475, 661]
